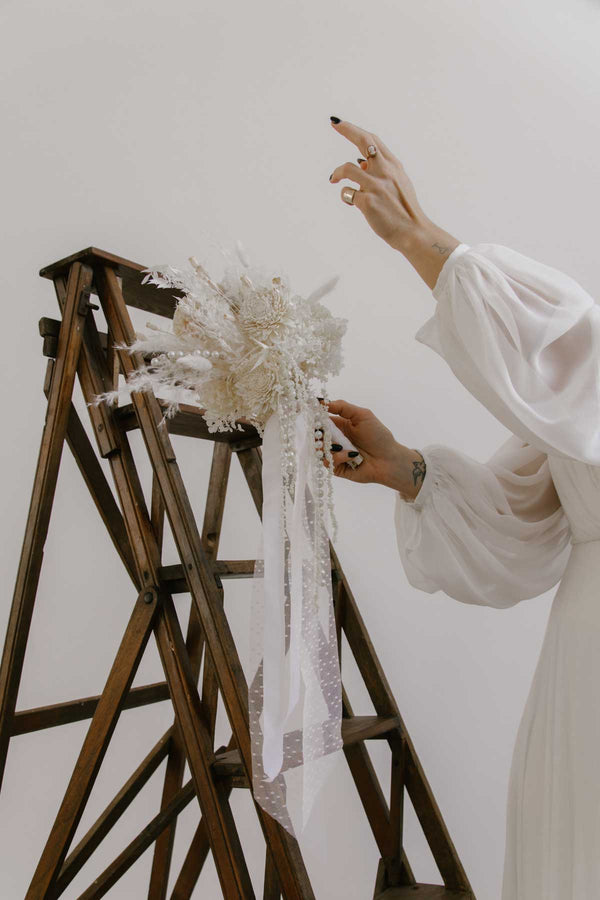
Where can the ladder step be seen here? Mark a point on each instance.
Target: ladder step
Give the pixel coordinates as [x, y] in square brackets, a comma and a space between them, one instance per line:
[423, 892]
[354, 729]
[189, 422]
[173, 578]
[416, 891]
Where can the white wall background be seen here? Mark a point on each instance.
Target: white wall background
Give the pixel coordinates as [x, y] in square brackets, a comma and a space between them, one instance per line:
[145, 128]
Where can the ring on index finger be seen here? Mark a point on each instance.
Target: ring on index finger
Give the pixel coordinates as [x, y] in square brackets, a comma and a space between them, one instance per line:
[348, 195]
[371, 150]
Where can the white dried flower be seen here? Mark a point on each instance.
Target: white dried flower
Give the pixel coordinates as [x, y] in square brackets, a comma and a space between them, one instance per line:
[255, 386]
[265, 312]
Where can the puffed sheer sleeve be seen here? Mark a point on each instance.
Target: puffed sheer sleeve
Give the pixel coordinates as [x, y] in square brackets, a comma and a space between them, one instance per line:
[490, 533]
[524, 339]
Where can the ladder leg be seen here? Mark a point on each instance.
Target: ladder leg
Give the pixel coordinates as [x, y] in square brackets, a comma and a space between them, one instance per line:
[375, 805]
[394, 872]
[211, 533]
[163, 846]
[42, 497]
[213, 516]
[87, 463]
[95, 745]
[271, 889]
[421, 795]
[197, 852]
[234, 876]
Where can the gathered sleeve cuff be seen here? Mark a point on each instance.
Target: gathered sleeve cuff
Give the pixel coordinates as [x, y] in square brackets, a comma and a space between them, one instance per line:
[491, 533]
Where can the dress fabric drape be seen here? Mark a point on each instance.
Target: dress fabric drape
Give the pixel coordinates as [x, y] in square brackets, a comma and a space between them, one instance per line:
[524, 339]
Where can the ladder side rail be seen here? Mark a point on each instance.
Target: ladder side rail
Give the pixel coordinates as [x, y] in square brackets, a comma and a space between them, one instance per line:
[42, 497]
[96, 482]
[419, 789]
[217, 487]
[198, 850]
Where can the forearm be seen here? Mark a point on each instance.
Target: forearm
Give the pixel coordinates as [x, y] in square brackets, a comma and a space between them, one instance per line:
[404, 472]
[427, 249]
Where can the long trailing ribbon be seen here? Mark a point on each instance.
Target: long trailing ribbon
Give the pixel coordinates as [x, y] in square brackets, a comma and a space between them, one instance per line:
[295, 689]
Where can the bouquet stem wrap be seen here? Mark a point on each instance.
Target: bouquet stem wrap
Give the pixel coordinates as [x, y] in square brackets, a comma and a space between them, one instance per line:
[295, 698]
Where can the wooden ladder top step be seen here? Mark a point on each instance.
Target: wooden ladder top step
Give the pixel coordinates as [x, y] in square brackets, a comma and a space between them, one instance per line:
[161, 301]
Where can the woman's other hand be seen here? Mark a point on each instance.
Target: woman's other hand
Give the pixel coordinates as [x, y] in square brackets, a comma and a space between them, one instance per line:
[385, 461]
[388, 200]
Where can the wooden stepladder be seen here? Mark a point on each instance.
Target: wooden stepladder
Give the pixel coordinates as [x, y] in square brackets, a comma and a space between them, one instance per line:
[75, 347]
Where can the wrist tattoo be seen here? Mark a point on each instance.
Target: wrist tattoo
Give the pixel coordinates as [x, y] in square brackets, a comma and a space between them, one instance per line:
[419, 470]
[440, 249]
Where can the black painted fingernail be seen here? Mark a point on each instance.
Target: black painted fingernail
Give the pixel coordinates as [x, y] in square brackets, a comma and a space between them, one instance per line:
[360, 159]
[331, 176]
[336, 447]
[353, 453]
[335, 119]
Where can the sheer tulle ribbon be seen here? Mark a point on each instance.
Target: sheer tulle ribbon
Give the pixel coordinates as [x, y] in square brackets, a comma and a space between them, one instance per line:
[295, 701]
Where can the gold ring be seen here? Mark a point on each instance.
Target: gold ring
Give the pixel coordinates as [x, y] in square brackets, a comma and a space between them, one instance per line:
[371, 150]
[348, 195]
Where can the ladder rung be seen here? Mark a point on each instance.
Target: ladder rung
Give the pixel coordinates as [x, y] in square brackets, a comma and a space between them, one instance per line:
[189, 422]
[423, 892]
[354, 729]
[174, 580]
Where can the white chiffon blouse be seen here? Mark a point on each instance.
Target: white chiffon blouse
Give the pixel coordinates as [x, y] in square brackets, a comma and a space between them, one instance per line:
[524, 339]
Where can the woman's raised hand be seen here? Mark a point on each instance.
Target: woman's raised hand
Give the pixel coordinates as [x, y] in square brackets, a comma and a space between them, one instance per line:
[387, 199]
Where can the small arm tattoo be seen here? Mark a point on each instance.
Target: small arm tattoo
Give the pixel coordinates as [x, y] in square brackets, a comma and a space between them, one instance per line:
[419, 470]
[440, 249]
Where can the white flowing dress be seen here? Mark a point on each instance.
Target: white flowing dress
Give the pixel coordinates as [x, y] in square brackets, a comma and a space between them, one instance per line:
[524, 339]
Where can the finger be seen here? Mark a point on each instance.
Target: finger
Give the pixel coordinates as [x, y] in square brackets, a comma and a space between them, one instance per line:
[361, 138]
[354, 173]
[346, 471]
[345, 426]
[355, 414]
